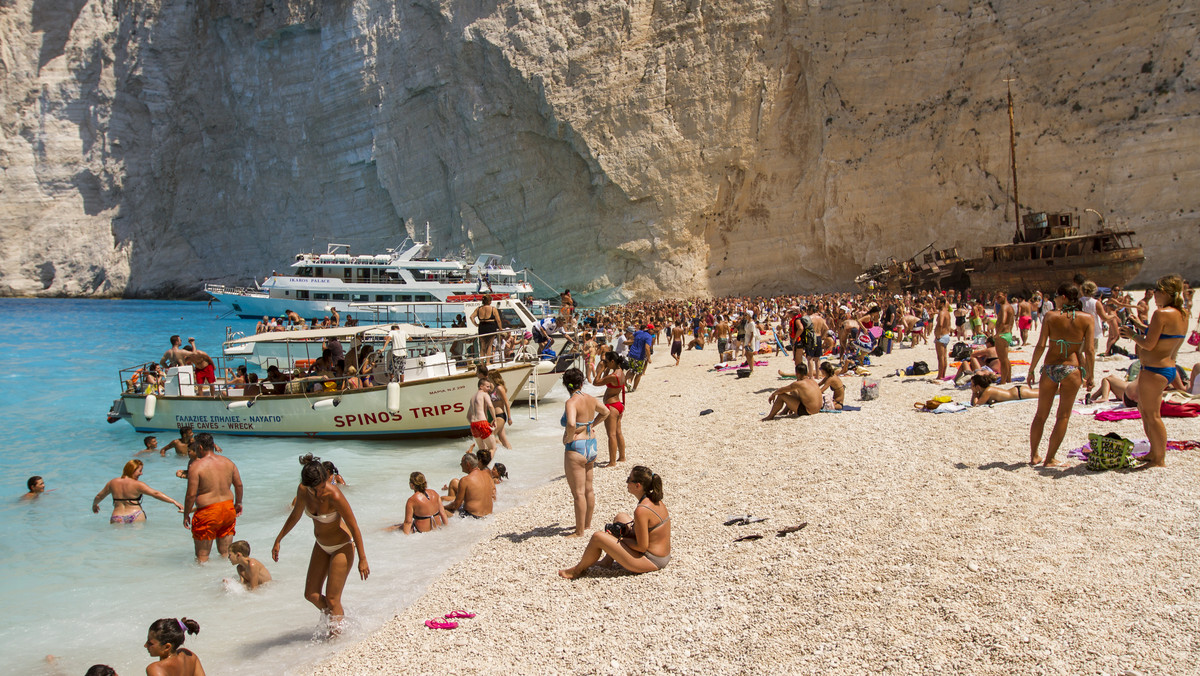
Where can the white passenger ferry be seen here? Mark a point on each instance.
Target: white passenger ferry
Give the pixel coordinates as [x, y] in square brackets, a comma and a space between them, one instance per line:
[318, 283]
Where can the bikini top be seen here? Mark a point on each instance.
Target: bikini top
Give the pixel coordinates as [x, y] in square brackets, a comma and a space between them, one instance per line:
[661, 520]
[132, 501]
[322, 518]
[1170, 335]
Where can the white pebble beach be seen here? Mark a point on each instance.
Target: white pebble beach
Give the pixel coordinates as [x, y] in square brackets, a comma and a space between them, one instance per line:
[931, 546]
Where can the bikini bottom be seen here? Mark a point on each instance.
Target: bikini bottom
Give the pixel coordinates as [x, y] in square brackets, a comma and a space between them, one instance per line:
[127, 518]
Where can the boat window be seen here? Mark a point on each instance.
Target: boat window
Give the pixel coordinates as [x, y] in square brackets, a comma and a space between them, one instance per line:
[305, 272]
[346, 272]
[318, 271]
[406, 298]
[320, 296]
[383, 298]
[340, 296]
[302, 295]
[511, 318]
[364, 272]
[360, 297]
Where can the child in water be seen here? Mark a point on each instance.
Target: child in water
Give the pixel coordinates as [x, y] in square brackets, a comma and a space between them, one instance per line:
[250, 571]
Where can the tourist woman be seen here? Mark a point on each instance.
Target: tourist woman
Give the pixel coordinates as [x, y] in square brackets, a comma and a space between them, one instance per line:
[984, 391]
[1157, 349]
[611, 376]
[579, 440]
[500, 403]
[423, 512]
[127, 491]
[830, 381]
[1070, 361]
[487, 318]
[644, 542]
[165, 641]
[337, 538]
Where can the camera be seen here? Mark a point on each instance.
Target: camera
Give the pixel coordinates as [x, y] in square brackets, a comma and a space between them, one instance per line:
[618, 530]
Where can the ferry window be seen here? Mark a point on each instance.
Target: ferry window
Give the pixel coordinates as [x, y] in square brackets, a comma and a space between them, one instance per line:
[320, 296]
[360, 297]
[346, 273]
[318, 272]
[306, 272]
[405, 298]
[383, 298]
[339, 296]
[364, 272]
[302, 295]
[510, 318]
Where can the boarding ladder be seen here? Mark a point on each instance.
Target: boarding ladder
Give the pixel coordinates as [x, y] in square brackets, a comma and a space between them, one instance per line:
[531, 389]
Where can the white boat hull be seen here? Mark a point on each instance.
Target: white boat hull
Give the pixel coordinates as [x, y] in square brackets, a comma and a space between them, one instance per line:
[435, 407]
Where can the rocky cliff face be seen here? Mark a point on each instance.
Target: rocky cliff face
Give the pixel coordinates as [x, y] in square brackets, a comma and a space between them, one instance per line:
[644, 148]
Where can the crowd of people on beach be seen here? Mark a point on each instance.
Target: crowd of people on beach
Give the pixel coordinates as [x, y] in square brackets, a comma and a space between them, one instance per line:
[828, 336]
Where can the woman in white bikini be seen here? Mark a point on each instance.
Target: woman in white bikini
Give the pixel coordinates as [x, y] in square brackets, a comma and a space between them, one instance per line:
[641, 544]
[127, 492]
[1070, 361]
[337, 538]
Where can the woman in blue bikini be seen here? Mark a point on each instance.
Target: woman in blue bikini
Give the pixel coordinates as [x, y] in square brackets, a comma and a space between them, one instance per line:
[1156, 349]
[579, 441]
[1069, 331]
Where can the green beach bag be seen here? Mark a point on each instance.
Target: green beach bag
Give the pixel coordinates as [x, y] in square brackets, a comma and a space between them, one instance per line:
[1110, 451]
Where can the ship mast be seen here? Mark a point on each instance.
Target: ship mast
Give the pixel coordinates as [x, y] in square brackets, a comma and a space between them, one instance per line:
[1012, 157]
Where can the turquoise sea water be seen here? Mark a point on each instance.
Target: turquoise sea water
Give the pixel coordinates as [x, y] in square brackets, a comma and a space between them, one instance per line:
[84, 591]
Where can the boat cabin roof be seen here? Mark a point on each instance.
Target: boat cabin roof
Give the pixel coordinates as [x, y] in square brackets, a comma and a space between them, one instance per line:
[411, 330]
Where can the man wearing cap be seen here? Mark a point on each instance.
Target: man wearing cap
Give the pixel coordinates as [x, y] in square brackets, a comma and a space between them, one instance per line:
[621, 346]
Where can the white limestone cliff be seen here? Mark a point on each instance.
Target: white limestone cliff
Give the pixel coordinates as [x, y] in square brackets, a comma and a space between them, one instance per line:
[622, 147]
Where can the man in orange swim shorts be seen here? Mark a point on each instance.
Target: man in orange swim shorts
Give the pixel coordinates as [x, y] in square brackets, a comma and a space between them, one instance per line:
[480, 413]
[210, 479]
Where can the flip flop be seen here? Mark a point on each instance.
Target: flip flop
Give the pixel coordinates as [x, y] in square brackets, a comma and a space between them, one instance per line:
[791, 529]
[459, 615]
[434, 624]
[748, 538]
[743, 520]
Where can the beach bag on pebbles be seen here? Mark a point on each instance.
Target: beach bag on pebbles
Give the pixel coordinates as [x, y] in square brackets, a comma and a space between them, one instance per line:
[1110, 451]
[961, 351]
[919, 368]
[870, 389]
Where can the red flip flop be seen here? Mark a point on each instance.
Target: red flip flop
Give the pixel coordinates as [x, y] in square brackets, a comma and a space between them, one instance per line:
[459, 615]
[434, 624]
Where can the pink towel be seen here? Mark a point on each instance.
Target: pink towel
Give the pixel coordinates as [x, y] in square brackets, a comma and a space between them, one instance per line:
[1167, 410]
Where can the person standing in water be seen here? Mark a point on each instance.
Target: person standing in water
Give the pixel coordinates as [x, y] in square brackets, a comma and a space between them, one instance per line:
[337, 538]
[210, 478]
[127, 491]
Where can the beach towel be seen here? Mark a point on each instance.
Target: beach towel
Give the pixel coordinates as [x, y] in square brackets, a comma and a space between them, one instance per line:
[735, 365]
[1166, 410]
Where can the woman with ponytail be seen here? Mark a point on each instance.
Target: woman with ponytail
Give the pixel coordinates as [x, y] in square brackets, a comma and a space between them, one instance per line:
[611, 376]
[423, 512]
[639, 544]
[1157, 349]
[1067, 339]
[164, 641]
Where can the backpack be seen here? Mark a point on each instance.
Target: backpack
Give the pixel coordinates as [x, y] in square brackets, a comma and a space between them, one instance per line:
[919, 368]
[1110, 451]
[808, 337]
[961, 351]
[864, 342]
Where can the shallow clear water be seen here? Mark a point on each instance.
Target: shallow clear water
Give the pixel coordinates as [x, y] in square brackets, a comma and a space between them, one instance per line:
[84, 591]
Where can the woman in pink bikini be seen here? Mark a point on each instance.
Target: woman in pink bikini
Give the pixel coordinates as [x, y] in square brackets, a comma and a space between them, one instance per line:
[611, 376]
[127, 492]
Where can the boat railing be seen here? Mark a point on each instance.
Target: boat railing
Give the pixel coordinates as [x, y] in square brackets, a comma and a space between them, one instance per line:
[425, 357]
[214, 289]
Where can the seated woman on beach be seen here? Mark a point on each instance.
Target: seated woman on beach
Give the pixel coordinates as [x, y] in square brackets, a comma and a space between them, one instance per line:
[984, 392]
[644, 544]
[424, 511]
[980, 360]
[127, 492]
[832, 382]
[165, 641]
[1117, 386]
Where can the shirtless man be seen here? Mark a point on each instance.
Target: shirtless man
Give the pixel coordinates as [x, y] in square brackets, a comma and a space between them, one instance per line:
[802, 397]
[210, 478]
[1004, 338]
[294, 318]
[476, 492]
[174, 356]
[480, 414]
[722, 334]
[815, 349]
[941, 335]
[205, 367]
[1024, 318]
[677, 341]
[181, 444]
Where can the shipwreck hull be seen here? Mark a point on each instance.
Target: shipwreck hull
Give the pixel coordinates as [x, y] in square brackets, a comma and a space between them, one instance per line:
[1112, 268]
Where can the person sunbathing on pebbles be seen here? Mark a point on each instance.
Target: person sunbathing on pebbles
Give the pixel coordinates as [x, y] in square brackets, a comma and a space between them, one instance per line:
[983, 391]
[802, 397]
